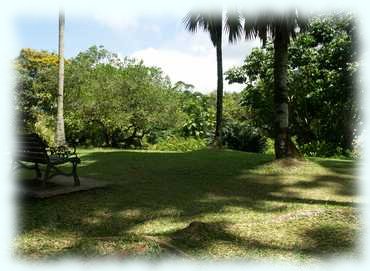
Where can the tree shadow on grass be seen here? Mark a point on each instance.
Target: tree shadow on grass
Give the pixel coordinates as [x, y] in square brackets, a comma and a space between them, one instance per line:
[200, 236]
[164, 187]
[338, 166]
[320, 242]
[327, 240]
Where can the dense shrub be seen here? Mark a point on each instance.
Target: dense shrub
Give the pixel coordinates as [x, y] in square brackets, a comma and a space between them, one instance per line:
[243, 137]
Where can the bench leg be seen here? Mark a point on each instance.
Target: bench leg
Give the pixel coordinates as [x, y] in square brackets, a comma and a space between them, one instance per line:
[75, 176]
[46, 175]
[38, 171]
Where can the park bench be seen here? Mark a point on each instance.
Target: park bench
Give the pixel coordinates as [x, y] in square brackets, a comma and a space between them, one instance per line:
[32, 149]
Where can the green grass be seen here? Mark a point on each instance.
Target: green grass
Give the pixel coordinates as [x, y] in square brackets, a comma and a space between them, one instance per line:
[250, 207]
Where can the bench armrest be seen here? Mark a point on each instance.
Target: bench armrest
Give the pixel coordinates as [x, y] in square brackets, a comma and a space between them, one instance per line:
[62, 151]
[74, 147]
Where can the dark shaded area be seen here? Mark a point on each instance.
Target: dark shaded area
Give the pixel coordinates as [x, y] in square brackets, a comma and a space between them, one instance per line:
[321, 241]
[330, 239]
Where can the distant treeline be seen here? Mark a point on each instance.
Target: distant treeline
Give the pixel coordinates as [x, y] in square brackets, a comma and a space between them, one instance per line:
[123, 103]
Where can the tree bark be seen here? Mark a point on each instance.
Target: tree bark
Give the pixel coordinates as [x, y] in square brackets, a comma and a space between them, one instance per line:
[60, 135]
[219, 96]
[284, 147]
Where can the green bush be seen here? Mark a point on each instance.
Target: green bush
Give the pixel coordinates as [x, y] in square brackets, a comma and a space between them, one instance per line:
[45, 128]
[325, 149]
[243, 137]
[175, 143]
[269, 149]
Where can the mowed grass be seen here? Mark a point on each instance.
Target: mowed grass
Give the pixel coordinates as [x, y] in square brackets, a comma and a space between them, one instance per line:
[242, 205]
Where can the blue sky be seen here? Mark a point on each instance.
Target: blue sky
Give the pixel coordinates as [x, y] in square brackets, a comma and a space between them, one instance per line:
[81, 32]
[158, 39]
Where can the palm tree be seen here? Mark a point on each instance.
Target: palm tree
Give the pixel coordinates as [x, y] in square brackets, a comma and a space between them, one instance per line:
[213, 24]
[60, 135]
[281, 27]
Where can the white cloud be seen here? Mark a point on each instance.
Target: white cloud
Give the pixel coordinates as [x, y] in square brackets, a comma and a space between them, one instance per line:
[193, 60]
[117, 22]
[197, 70]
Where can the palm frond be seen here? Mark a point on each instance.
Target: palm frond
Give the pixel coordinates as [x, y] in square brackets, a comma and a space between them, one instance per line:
[233, 25]
[211, 23]
[267, 23]
[257, 27]
[214, 26]
[250, 31]
[192, 21]
[302, 22]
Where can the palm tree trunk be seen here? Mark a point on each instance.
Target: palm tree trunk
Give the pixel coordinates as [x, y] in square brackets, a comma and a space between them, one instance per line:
[284, 147]
[219, 97]
[60, 135]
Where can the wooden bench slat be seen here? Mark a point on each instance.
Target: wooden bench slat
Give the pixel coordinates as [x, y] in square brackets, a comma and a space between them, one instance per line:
[30, 143]
[31, 155]
[33, 150]
[33, 159]
[31, 147]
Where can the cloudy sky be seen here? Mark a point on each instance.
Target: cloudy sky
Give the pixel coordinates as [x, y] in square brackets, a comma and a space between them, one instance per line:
[158, 39]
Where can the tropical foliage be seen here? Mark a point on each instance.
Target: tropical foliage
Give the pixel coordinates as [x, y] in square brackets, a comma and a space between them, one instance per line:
[322, 68]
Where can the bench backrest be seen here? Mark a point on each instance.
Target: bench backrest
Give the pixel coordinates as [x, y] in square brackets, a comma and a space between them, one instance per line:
[31, 148]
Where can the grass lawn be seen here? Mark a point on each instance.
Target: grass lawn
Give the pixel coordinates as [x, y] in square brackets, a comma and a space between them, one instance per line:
[241, 205]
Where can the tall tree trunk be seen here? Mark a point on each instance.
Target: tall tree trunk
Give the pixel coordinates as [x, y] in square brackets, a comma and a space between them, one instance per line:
[60, 135]
[284, 147]
[219, 97]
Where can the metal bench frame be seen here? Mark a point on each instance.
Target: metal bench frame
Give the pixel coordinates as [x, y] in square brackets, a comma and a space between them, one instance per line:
[34, 150]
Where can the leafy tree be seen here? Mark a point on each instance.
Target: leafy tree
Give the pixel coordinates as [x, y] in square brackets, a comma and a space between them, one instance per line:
[199, 115]
[108, 101]
[332, 68]
[322, 68]
[183, 87]
[35, 91]
[117, 101]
